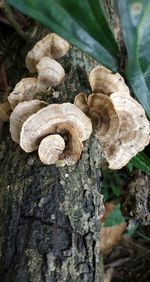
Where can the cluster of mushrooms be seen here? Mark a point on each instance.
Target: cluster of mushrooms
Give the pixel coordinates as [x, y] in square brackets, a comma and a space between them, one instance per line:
[59, 130]
[119, 120]
[56, 130]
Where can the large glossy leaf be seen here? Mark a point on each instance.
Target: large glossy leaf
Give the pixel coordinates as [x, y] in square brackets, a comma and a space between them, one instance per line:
[141, 161]
[81, 22]
[135, 22]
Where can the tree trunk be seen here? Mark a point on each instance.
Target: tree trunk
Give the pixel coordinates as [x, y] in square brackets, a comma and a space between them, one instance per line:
[50, 216]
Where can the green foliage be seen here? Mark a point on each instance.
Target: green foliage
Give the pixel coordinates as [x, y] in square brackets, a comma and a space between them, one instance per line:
[140, 161]
[111, 183]
[135, 22]
[115, 217]
[82, 23]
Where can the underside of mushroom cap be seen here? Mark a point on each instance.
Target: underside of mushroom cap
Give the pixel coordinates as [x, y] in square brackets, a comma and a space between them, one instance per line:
[21, 112]
[133, 135]
[52, 45]
[103, 80]
[47, 120]
[25, 90]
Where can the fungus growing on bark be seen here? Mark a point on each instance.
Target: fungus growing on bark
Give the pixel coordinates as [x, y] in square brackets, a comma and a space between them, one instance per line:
[120, 122]
[103, 80]
[102, 113]
[21, 112]
[54, 149]
[5, 111]
[38, 128]
[133, 134]
[25, 90]
[50, 72]
[52, 45]
[47, 120]
[50, 149]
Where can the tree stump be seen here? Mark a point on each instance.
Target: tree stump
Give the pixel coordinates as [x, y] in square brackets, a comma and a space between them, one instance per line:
[50, 216]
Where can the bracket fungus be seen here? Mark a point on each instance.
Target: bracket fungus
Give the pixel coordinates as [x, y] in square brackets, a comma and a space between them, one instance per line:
[41, 59]
[52, 45]
[37, 129]
[102, 113]
[133, 134]
[50, 72]
[25, 90]
[61, 150]
[103, 80]
[119, 120]
[21, 112]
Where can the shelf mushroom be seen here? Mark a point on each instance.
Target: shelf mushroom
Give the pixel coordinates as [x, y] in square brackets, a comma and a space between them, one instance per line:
[103, 80]
[52, 45]
[21, 112]
[50, 72]
[100, 109]
[120, 123]
[54, 149]
[133, 134]
[56, 130]
[25, 90]
[41, 59]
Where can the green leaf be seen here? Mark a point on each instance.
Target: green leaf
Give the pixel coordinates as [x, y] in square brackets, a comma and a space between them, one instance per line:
[135, 22]
[130, 166]
[81, 22]
[115, 217]
[141, 161]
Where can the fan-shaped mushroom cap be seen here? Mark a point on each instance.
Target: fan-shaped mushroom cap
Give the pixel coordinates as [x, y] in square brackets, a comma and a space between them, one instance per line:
[102, 112]
[50, 72]
[102, 80]
[21, 112]
[25, 90]
[133, 135]
[50, 149]
[53, 148]
[52, 46]
[5, 111]
[47, 120]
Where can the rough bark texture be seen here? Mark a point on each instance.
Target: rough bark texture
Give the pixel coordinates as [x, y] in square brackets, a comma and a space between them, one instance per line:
[50, 216]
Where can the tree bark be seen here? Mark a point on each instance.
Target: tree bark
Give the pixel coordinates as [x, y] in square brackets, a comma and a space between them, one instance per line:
[50, 216]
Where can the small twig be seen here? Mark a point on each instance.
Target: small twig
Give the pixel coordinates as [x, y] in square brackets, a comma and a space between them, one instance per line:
[8, 13]
[143, 236]
[131, 244]
[117, 262]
